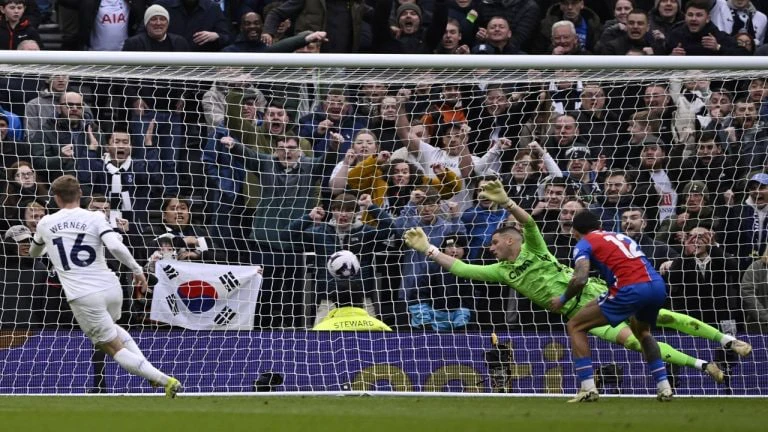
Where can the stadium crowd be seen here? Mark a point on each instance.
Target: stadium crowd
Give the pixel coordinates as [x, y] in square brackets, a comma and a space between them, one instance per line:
[235, 170]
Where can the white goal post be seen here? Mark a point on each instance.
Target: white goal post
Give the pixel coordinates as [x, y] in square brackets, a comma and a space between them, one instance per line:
[239, 160]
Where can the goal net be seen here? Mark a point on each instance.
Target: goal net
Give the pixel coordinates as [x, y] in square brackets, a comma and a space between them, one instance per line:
[233, 186]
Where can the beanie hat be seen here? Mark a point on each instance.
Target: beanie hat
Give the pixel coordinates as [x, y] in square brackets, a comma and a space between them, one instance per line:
[408, 6]
[155, 10]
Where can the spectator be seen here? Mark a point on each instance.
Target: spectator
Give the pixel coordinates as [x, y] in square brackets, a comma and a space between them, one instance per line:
[736, 17]
[586, 26]
[617, 26]
[524, 13]
[522, 180]
[637, 36]
[560, 240]
[566, 136]
[656, 178]
[658, 102]
[105, 25]
[704, 282]
[201, 22]
[445, 303]
[754, 294]
[130, 184]
[33, 212]
[582, 175]
[363, 146]
[598, 125]
[758, 93]
[552, 194]
[249, 38]
[698, 36]
[214, 100]
[696, 210]
[326, 233]
[716, 113]
[43, 108]
[423, 212]
[617, 198]
[463, 16]
[22, 188]
[12, 150]
[28, 45]
[710, 165]
[383, 124]
[690, 98]
[634, 224]
[189, 241]
[156, 37]
[409, 36]
[22, 296]
[68, 140]
[664, 15]
[333, 119]
[288, 183]
[743, 39]
[565, 39]
[497, 118]
[480, 222]
[746, 138]
[392, 183]
[451, 43]
[497, 38]
[342, 21]
[14, 27]
[747, 222]
[449, 109]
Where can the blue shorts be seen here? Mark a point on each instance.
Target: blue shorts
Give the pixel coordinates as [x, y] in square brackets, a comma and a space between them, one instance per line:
[642, 300]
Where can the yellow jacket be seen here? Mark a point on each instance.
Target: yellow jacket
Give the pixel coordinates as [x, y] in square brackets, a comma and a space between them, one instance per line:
[351, 319]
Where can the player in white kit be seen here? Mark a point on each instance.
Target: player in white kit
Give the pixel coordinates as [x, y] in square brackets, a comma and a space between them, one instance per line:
[74, 239]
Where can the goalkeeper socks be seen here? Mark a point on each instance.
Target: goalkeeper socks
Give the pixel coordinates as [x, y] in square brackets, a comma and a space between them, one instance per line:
[128, 342]
[675, 357]
[659, 373]
[583, 368]
[139, 366]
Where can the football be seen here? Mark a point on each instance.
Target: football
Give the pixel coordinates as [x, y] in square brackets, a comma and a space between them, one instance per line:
[343, 265]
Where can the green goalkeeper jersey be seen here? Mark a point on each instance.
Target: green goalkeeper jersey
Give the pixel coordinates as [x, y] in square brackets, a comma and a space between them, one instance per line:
[535, 273]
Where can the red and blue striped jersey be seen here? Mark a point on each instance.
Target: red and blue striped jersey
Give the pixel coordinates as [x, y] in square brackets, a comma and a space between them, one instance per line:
[617, 257]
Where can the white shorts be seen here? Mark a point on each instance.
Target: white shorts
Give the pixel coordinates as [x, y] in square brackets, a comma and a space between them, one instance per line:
[97, 313]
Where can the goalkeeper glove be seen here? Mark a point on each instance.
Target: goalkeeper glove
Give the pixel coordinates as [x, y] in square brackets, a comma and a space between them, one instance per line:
[495, 192]
[416, 239]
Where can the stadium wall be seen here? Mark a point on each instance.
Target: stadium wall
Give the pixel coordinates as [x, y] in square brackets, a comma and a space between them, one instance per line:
[60, 362]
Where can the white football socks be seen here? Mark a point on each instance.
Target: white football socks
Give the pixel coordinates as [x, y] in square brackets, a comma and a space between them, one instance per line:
[139, 366]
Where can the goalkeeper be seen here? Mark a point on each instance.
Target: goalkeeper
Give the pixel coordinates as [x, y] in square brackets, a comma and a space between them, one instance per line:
[526, 265]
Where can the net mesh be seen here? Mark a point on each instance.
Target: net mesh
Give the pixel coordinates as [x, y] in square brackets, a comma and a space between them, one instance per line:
[207, 172]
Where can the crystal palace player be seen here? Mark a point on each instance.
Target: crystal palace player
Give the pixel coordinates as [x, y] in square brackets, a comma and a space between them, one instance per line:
[636, 292]
[529, 268]
[75, 240]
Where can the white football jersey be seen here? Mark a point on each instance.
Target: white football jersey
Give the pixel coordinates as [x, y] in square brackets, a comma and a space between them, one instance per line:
[72, 238]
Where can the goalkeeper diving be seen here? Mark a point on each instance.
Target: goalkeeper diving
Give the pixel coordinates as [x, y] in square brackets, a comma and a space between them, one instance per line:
[526, 265]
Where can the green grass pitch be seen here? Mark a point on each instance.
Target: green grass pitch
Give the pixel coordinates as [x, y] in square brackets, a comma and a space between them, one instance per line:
[377, 413]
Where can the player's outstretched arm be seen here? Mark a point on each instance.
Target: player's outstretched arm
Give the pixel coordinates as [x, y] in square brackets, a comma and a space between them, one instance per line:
[416, 239]
[495, 192]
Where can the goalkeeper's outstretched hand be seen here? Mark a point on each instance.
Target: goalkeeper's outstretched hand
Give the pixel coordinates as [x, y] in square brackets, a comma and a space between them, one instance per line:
[495, 192]
[416, 239]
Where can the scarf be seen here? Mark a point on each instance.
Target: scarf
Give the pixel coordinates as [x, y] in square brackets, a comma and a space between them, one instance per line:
[117, 181]
[742, 19]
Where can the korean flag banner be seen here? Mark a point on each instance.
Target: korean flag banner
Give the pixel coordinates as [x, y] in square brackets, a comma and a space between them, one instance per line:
[205, 296]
